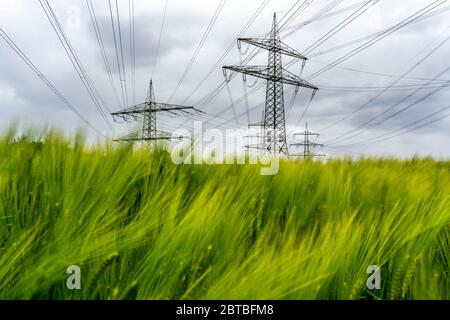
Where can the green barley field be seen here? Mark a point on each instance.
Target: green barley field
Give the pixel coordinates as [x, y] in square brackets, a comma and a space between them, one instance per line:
[140, 227]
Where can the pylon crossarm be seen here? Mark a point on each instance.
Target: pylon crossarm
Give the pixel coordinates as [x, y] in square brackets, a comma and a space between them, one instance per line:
[143, 139]
[159, 106]
[192, 111]
[252, 125]
[307, 144]
[153, 107]
[121, 118]
[129, 111]
[297, 81]
[306, 134]
[255, 147]
[147, 111]
[125, 139]
[264, 72]
[274, 46]
[312, 155]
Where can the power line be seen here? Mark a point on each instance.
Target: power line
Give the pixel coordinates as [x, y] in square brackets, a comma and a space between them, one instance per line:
[232, 104]
[244, 87]
[423, 98]
[305, 4]
[424, 86]
[200, 46]
[291, 103]
[336, 150]
[384, 34]
[306, 108]
[322, 17]
[100, 43]
[322, 13]
[155, 59]
[131, 11]
[385, 88]
[85, 79]
[389, 31]
[119, 67]
[230, 47]
[386, 75]
[44, 79]
[358, 40]
[121, 51]
[394, 133]
[366, 6]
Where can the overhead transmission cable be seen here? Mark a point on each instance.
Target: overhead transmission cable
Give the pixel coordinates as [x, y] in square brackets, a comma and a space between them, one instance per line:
[322, 17]
[122, 56]
[369, 43]
[158, 46]
[101, 45]
[409, 106]
[399, 78]
[408, 87]
[46, 81]
[372, 35]
[320, 14]
[376, 39]
[364, 125]
[199, 46]
[398, 132]
[356, 14]
[362, 9]
[131, 18]
[79, 68]
[118, 46]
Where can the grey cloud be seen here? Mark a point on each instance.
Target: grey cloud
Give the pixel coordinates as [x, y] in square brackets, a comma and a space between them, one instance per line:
[185, 24]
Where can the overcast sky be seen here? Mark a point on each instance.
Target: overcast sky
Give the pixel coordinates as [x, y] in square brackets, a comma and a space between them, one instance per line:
[343, 89]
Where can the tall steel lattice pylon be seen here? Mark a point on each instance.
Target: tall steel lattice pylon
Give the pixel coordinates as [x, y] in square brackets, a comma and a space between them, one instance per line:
[307, 144]
[274, 124]
[149, 127]
[148, 111]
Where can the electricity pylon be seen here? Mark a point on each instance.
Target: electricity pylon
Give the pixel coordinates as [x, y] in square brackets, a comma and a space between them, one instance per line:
[258, 136]
[147, 111]
[274, 126]
[307, 144]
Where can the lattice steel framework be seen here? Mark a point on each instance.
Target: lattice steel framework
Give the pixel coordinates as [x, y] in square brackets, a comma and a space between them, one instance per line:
[274, 124]
[307, 144]
[148, 111]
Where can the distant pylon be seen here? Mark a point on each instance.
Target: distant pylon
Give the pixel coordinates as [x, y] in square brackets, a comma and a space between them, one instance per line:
[274, 124]
[307, 144]
[148, 110]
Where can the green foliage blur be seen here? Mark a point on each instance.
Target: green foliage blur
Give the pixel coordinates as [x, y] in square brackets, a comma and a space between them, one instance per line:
[141, 227]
